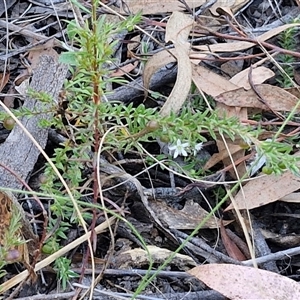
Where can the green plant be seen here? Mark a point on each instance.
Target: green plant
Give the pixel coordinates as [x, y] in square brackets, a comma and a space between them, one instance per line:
[62, 266]
[90, 76]
[11, 239]
[287, 41]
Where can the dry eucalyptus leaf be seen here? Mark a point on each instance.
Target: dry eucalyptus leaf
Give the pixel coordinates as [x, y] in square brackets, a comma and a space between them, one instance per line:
[136, 258]
[210, 82]
[264, 190]
[259, 75]
[124, 70]
[240, 45]
[158, 6]
[156, 62]
[177, 31]
[240, 282]
[188, 218]
[293, 198]
[213, 85]
[224, 5]
[217, 157]
[277, 98]
[231, 247]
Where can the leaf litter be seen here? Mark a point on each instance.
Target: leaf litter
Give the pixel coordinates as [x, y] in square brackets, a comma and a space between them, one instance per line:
[234, 69]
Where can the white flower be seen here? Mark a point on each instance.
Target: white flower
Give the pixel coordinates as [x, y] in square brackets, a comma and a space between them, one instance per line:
[197, 148]
[178, 149]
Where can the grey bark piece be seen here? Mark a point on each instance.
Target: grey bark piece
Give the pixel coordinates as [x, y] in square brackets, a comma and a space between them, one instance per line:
[18, 152]
[135, 88]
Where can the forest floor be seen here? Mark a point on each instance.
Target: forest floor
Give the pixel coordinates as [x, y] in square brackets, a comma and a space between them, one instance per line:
[177, 143]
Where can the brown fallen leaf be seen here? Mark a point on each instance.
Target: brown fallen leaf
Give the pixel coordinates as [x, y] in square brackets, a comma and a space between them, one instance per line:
[3, 80]
[156, 62]
[233, 5]
[157, 6]
[177, 31]
[124, 70]
[137, 258]
[240, 282]
[241, 45]
[264, 190]
[259, 75]
[231, 248]
[217, 157]
[213, 85]
[187, 218]
[277, 98]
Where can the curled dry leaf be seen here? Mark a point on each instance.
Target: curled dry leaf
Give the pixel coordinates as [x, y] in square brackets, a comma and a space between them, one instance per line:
[138, 258]
[227, 5]
[177, 31]
[240, 282]
[259, 75]
[156, 62]
[187, 218]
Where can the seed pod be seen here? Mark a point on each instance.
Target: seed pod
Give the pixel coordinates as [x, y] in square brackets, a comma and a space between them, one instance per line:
[9, 123]
[152, 126]
[267, 170]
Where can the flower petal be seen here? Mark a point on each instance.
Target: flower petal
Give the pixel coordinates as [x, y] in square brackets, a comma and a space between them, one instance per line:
[198, 146]
[176, 153]
[183, 152]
